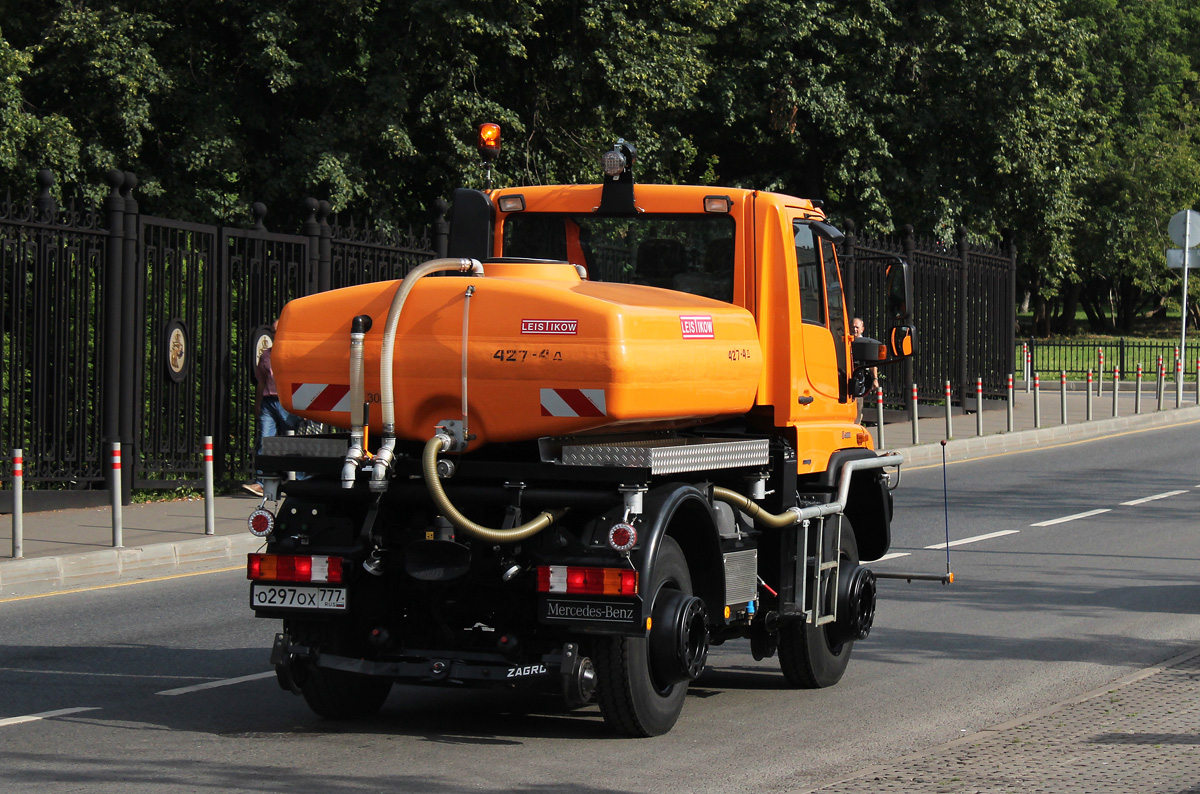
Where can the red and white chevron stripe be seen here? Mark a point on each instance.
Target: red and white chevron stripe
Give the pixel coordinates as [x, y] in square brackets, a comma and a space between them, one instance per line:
[573, 402]
[320, 397]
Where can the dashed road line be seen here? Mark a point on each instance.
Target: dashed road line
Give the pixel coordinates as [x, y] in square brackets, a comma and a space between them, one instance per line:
[1156, 497]
[214, 684]
[45, 715]
[975, 539]
[893, 556]
[1074, 517]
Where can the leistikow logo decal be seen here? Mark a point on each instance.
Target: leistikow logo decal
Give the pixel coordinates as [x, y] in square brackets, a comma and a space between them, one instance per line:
[696, 326]
[554, 327]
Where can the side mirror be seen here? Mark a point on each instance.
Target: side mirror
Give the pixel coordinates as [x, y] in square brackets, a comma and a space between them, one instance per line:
[899, 292]
[902, 341]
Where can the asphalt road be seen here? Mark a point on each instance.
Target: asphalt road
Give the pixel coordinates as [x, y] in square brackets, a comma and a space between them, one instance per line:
[1036, 615]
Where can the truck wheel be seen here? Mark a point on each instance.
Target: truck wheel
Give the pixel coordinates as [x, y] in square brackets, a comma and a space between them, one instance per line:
[338, 695]
[813, 657]
[635, 699]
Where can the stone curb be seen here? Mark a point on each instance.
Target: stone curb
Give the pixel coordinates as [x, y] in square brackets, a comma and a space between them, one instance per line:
[958, 450]
[39, 575]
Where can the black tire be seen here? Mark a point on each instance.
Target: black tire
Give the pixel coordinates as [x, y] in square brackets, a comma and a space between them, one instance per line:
[338, 695]
[632, 702]
[812, 657]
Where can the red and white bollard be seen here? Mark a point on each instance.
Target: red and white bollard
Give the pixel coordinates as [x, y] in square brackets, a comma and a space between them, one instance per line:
[18, 514]
[210, 517]
[879, 416]
[1088, 415]
[979, 406]
[1100, 378]
[115, 458]
[1010, 402]
[1037, 400]
[916, 435]
[1116, 389]
[949, 421]
[1062, 396]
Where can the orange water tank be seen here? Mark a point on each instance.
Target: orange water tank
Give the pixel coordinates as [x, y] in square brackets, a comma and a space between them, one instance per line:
[548, 354]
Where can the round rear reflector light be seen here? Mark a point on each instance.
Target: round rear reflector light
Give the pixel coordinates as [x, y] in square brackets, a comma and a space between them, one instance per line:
[622, 537]
[261, 522]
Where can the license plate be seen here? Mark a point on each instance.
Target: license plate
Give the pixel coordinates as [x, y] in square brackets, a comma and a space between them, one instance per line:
[288, 597]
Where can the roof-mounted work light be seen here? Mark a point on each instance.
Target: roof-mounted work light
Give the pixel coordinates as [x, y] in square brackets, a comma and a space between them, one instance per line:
[617, 196]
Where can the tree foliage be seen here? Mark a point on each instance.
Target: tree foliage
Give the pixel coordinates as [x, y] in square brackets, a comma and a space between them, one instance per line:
[1069, 122]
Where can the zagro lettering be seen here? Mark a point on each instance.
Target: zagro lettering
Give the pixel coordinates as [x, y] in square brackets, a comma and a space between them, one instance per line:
[696, 326]
[556, 327]
[521, 672]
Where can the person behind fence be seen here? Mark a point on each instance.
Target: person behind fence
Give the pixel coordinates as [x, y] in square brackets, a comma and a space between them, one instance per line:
[273, 418]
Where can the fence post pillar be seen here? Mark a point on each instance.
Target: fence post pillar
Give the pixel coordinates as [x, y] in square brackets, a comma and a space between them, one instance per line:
[325, 264]
[312, 230]
[1010, 246]
[964, 252]
[909, 245]
[133, 317]
[441, 228]
[114, 206]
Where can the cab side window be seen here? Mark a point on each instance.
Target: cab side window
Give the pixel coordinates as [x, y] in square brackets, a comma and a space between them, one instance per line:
[808, 272]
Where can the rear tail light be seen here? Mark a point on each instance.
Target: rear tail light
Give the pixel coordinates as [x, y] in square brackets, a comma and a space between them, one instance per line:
[293, 568]
[587, 581]
[262, 523]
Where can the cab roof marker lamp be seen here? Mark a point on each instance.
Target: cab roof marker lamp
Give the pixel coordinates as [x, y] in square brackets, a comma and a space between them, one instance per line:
[514, 203]
[718, 204]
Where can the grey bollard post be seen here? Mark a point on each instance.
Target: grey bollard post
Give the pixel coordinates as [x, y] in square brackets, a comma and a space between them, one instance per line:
[1179, 383]
[1010, 402]
[1137, 393]
[979, 406]
[1062, 396]
[879, 415]
[949, 421]
[1100, 374]
[1162, 377]
[1037, 401]
[1088, 414]
[117, 529]
[1116, 389]
[210, 518]
[916, 435]
[18, 509]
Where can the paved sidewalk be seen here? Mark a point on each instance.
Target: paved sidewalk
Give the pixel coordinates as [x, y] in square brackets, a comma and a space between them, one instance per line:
[1137, 734]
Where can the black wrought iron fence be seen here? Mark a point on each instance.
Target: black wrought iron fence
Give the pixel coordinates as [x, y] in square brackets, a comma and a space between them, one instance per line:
[964, 309]
[132, 329]
[1049, 358]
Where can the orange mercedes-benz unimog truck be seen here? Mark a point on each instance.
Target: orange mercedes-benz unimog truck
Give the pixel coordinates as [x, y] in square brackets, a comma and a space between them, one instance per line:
[616, 427]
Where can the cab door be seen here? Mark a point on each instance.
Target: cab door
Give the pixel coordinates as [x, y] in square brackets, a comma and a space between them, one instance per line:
[822, 311]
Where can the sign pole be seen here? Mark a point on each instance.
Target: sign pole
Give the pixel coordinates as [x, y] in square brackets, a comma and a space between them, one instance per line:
[1187, 236]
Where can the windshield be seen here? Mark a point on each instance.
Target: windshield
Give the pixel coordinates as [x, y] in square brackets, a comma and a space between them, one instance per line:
[688, 253]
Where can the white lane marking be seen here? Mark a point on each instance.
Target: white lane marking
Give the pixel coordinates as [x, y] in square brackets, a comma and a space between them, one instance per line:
[1074, 517]
[96, 675]
[1145, 499]
[975, 539]
[45, 715]
[214, 684]
[894, 555]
